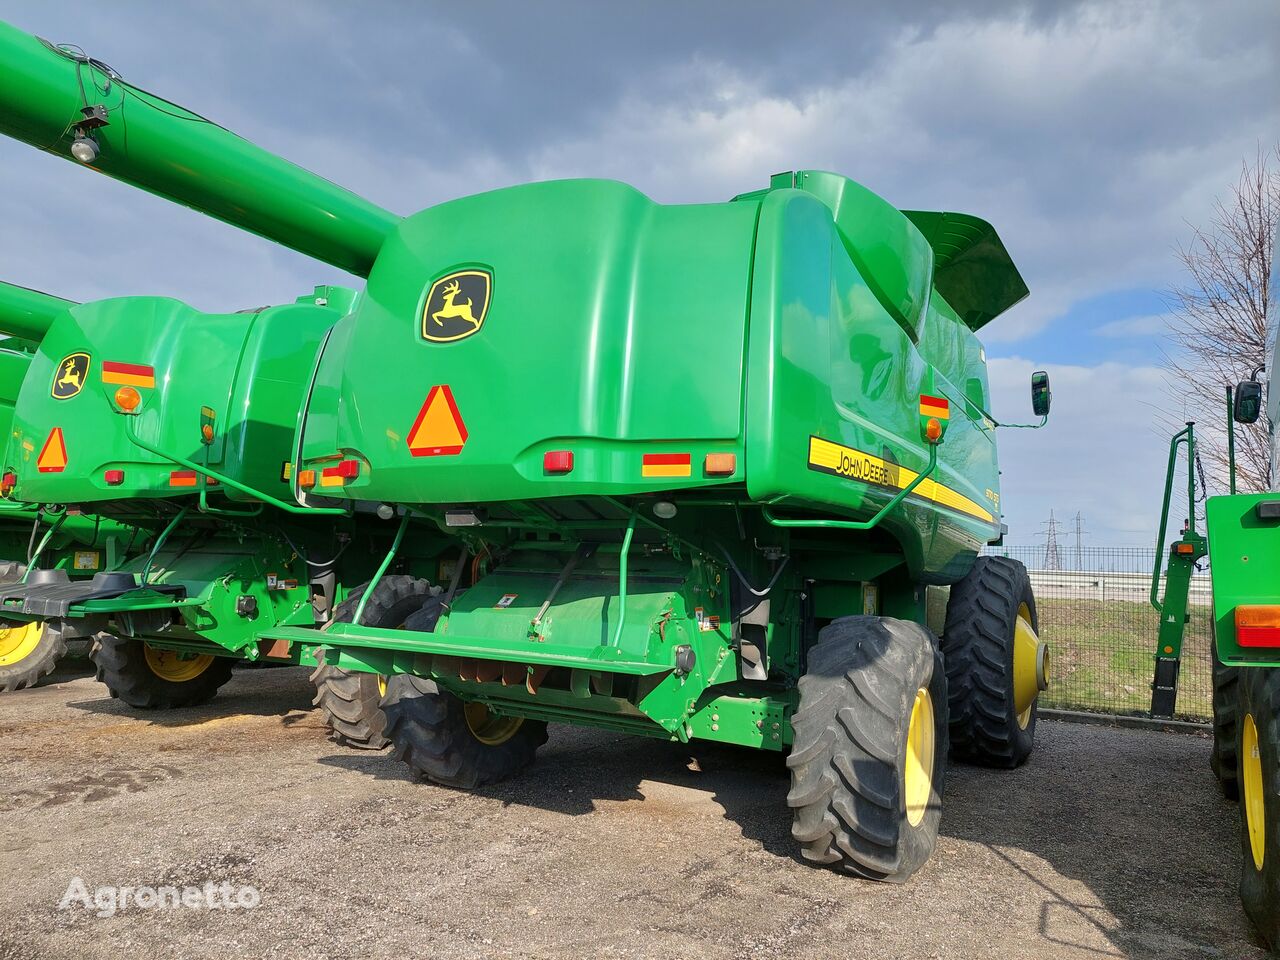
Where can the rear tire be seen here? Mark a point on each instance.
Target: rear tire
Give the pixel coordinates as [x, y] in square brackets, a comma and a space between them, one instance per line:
[1258, 749]
[28, 651]
[873, 703]
[978, 644]
[448, 741]
[349, 698]
[1224, 761]
[151, 679]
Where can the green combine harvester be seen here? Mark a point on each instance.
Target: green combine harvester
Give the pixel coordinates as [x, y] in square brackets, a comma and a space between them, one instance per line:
[1242, 543]
[181, 424]
[73, 544]
[697, 468]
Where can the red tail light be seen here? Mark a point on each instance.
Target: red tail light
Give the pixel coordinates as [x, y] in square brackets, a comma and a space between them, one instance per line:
[558, 461]
[113, 477]
[1258, 625]
[7, 483]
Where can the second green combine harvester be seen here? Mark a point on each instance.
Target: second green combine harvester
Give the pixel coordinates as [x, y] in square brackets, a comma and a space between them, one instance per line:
[699, 466]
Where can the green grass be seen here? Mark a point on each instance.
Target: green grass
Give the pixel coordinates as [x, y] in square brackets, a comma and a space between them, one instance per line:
[1101, 657]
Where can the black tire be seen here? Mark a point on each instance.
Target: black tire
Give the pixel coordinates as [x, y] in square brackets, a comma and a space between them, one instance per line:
[849, 755]
[350, 699]
[1224, 761]
[431, 731]
[24, 659]
[1260, 884]
[124, 666]
[978, 644]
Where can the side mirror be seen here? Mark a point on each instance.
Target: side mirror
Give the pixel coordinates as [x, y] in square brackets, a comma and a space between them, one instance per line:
[1248, 406]
[1041, 395]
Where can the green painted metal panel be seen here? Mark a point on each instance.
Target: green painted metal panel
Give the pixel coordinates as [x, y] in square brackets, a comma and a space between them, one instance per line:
[27, 313]
[1244, 560]
[612, 319]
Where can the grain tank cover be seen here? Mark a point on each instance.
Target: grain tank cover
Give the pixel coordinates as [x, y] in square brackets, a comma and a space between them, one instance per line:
[972, 269]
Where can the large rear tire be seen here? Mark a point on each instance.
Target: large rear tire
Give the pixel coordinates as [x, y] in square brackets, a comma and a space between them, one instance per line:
[448, 741]
[1258, 746]
[151, 679]
[1224, 761]
[350, 699]
[869, 752]
[28, 651]
[986, 613]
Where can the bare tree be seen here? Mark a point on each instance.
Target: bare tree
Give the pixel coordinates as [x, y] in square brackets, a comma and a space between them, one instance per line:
[1219, 319]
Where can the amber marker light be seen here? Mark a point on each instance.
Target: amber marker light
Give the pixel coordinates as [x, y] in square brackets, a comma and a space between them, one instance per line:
[127, 399]
[933, 429]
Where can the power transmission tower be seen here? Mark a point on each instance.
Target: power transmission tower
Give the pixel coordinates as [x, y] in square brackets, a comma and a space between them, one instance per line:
[1080, 535]
[1052, 556]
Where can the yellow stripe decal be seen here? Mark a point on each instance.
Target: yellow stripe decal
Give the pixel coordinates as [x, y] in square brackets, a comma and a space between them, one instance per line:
[666, 470]
[842, 461]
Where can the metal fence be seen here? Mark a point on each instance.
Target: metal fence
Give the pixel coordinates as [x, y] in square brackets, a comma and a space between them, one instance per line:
[1101, 629]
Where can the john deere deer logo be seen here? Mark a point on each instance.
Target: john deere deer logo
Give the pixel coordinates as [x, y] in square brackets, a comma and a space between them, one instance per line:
[69, 378]
[456, 305]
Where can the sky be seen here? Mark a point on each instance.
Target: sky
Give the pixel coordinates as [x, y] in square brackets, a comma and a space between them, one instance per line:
[1092, 135]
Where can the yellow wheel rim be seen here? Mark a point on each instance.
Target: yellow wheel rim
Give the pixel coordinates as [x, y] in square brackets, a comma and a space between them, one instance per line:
[1030, 666]
[176, 667]
[918, 772]
[487, 727]
[1254, 799]
[18, 641]
[382, 685]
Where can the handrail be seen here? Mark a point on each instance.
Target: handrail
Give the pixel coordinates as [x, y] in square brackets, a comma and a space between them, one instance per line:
[223, 478]
[1188, 435]
[861, 524]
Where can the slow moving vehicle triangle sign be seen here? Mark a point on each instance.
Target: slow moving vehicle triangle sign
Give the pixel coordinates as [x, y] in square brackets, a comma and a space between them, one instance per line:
[439, 430]
[53, 455]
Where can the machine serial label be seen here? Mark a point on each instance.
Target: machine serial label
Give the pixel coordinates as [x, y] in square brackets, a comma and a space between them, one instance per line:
[841, 461]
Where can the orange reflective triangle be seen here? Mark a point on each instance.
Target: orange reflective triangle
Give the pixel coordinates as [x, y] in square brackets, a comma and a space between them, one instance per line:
[439, 430]
[53, 455]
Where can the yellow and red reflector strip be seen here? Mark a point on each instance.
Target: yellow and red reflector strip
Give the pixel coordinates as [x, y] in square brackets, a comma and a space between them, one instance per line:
[666, 465]
[340, 473]
[188, 478]
[558, 461]
[720, 464]
[113, 478]
[128, 374]
[934, 407]
[1258, 625]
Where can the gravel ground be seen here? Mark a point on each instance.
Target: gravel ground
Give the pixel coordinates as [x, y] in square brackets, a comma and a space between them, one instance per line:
[1111, 843]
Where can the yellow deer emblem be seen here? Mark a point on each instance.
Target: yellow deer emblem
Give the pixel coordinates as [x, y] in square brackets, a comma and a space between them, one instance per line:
[70, 376]
[449, 309]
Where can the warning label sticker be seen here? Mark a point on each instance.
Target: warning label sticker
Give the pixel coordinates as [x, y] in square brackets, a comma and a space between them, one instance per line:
[506, 600]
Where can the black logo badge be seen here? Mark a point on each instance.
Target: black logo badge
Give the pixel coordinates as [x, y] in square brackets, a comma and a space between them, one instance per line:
[456, 305]
[70, 376]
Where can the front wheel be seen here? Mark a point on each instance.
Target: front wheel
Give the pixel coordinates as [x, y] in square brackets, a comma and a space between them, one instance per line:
[28, 651]
[1226, 695]
[870, 746]
[350, 699]
[153, 679]
[1258, 748]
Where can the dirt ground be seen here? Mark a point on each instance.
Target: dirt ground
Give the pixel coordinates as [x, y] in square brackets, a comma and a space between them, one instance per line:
[1111, 843]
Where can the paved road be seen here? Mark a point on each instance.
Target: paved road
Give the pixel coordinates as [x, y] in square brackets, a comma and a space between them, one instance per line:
[1112, 843]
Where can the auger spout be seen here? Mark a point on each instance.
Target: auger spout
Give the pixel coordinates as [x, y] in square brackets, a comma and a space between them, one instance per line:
[26, 314]
[78, 108]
